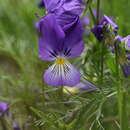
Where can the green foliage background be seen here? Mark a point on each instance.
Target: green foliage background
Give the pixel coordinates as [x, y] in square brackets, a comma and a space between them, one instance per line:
[36, 106]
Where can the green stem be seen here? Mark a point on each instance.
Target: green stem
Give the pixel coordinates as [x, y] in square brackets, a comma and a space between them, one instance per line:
[102, 62]
[60, 93]
[102, 44]
[93, 17]
[98, 11]
[88, 3]
[121, 95]
[3, 123]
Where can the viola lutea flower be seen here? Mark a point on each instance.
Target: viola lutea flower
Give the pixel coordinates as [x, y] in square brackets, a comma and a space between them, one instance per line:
[58, 46]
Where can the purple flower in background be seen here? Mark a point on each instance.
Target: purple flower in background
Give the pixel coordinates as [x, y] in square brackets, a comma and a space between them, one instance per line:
[86, 20]
[126, 69]
[86, 24]
[98, 32]
[15, 126]
[41, 4]
[108, 21]
[4, 106]
[117, 41]
[86, 86]
[125, 65]
[106, 30]
[126, 41]
[57, 45]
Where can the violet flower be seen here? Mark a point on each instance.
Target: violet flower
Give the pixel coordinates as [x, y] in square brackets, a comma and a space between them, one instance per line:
[57, 45]
[66, 11]
[106, 30]
[4, 106]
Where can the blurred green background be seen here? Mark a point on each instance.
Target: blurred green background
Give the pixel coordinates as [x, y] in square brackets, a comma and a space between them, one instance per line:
[21, 73]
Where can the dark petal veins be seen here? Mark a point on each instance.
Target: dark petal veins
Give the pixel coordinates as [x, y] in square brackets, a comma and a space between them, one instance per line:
[67, 52]
[73, 40]
[51, 38]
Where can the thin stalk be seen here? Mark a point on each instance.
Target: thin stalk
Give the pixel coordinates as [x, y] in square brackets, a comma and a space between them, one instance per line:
[93, 17]
[98, 11]
[60, 93]
[102, 45]
[102, 62]
[3, 123]
[121, 95]
[87, 5]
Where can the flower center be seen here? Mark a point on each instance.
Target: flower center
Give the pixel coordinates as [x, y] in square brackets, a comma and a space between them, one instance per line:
[60, 61]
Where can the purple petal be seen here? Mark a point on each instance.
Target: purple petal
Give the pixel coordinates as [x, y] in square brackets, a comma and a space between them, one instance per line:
[62, 75]
[86, 86]
[51, 39]
[73, 40]
[107, 20]
[52, 5]
[16, 127]
[126, 69]
[128, 56]
[126, 40]
[86, 24]
[65, 18]
[4, 106]
[74, 6]
[98, 32]
[128, 44]
[86, 20]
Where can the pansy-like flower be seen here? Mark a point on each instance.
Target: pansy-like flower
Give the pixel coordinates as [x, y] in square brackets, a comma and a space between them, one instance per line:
[4, 106]
[57, 45]
[106, 30]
